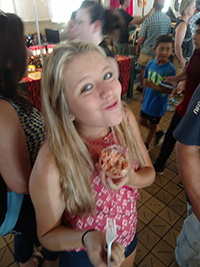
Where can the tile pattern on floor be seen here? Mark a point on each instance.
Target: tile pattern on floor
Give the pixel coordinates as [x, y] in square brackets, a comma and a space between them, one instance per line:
[161, 207]
[161, 210]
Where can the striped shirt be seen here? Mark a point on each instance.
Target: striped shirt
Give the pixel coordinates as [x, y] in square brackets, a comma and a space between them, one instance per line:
[152, 27]
[192, 23]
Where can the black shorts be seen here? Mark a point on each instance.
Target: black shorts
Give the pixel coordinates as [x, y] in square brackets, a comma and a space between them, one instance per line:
[152, 119]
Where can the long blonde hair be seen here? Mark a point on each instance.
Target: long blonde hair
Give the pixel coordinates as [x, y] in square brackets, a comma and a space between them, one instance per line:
[68, 148]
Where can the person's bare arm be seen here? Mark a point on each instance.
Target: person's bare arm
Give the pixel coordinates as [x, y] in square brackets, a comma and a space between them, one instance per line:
[134, 179]
[49, 206]
[139, 43]
[176, 79]
[179, 37]
[188, 162]
[145, 176]
[138, 21]
[15, 164]
[162, 89]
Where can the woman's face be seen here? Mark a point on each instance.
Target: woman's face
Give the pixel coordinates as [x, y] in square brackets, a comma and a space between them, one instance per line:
[84, 27]
[93, 93]
[191, 10]
[72, 29]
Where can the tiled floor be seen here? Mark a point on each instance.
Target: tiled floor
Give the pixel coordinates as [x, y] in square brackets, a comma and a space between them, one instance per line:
[161, 208]
[161, 211]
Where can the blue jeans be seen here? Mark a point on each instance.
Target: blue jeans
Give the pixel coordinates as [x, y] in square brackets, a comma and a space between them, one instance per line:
[25, 234]
[187, 251]
[80, 259]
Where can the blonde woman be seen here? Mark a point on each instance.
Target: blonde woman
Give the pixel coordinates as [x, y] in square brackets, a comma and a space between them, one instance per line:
[72, 198]
[182, 35]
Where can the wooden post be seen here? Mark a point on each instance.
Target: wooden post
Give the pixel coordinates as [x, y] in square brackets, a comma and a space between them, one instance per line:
[142, 8]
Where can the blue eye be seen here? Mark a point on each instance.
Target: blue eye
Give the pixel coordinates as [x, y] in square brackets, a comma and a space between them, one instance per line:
[108, 76]
[86, 88]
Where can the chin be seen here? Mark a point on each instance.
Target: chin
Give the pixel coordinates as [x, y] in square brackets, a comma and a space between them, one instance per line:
[116, 121]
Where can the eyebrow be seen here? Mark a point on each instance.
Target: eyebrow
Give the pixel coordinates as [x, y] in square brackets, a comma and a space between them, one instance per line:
[88, 76]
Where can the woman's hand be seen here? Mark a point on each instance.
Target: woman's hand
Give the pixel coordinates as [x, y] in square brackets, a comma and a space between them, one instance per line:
[95, 243]
[117, 183]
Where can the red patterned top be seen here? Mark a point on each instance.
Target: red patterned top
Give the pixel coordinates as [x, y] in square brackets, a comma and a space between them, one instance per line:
[120, 204]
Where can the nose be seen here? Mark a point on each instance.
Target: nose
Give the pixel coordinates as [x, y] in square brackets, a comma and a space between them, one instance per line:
[107, 89]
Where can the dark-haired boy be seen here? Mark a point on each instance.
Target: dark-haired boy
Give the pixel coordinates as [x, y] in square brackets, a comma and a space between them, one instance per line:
[155, 97]
[192, 77]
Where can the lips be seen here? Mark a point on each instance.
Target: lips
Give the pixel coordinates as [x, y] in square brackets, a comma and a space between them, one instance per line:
[112, 105]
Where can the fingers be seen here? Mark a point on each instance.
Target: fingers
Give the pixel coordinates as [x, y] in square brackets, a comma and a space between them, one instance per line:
[117, 255]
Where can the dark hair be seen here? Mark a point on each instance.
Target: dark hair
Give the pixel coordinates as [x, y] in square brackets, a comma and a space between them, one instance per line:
[121, 2]
[110, 21]
[73, 15]
[197, 22]
[12, 56]
[163, 39]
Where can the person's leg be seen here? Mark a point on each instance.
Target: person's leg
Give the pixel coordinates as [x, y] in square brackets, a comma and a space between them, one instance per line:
[168, 144]
[144, 122]
[23, 249]
[151, 133]
[24, 243]
[130, 253]
[141, 76]
[26, 225]
[142, 61]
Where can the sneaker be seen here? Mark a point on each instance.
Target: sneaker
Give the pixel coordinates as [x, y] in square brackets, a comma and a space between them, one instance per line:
[159, 138]
[170, 108]
[159, 170]
[173, 101]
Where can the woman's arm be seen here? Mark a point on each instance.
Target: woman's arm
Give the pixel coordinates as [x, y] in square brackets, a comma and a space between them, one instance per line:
[145, 176]
[140, 20]
[134, 179]
[49, 206]
[179, 37]
[15, 165]
[152, 85]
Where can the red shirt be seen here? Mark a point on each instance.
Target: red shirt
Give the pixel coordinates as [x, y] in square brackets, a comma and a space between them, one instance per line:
[193, 80]
[120, 204]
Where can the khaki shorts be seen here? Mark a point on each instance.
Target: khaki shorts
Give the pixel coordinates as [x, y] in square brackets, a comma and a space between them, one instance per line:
[144, 59]
[179, 67]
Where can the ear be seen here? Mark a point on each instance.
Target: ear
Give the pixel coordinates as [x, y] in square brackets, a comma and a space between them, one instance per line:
[72, 117]
[154, 50]
[114, 66]
[97, 26]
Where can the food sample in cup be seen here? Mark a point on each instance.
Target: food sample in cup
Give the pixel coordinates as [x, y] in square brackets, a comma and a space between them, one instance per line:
[113, 161]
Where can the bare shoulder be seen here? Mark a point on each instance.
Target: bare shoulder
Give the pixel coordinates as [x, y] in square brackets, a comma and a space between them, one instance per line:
[7, 113]
[181, 27]
[45, 174]
[130, 116]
